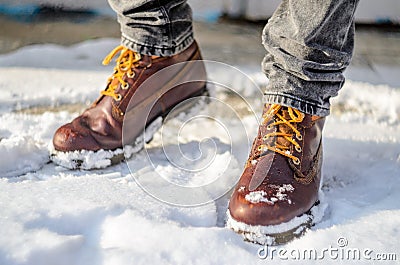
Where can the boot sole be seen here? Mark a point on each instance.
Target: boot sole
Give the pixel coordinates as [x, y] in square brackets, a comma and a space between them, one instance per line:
[88, 160]
[278, 234]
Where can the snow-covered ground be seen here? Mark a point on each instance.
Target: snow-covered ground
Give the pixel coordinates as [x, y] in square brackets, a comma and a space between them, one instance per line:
[50, 215]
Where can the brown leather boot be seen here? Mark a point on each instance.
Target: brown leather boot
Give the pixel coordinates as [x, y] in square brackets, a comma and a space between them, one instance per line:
[94, 139]
[274, 198]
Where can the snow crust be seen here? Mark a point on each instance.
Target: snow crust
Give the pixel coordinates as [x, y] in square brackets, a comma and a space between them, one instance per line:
[23, 149]
[279, 195]
[262, 234]
[52, 215]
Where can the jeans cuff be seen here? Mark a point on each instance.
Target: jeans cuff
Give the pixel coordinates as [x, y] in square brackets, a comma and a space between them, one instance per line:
[157, 50]
[296, 103]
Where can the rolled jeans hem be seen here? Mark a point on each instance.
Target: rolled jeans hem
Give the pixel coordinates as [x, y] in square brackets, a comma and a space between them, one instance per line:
[157, 50]
[300, 104]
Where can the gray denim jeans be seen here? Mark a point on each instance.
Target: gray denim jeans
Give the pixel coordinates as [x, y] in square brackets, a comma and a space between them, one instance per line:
[154, 27]
[309, 44]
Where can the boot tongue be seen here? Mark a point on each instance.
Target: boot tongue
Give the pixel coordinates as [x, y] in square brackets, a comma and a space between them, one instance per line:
[283, 128]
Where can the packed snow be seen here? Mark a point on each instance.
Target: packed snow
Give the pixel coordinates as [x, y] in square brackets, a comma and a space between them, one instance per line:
[263, 234]
[124, 214]
[279, 195]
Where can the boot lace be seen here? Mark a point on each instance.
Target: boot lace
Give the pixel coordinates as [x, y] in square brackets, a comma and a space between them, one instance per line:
[295, 117]
[124, 64]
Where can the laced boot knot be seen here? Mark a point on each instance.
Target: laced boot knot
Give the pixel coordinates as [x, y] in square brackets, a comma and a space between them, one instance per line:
[284, 123]
[125, 63]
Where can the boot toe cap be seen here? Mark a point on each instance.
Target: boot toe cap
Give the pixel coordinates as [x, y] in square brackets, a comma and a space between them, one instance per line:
[66, 139]
[260, 213]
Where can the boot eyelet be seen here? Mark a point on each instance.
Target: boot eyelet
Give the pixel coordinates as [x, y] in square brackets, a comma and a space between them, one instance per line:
[299, 137]
[125, 86]
[130, 74]
[296, 161]
[259, 148]
[119, 97]
[269, 127]
[298, 148]
[265, 137]
[124, 69]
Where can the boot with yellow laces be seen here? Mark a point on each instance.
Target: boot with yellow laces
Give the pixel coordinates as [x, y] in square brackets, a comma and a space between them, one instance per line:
[94, 139]
[274, 199]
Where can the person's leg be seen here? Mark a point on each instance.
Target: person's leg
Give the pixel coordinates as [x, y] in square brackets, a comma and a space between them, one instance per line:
[309, 44]
[154, 27]
[155, 36]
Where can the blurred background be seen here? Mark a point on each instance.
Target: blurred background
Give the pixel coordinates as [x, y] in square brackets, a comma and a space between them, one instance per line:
[227, 30]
